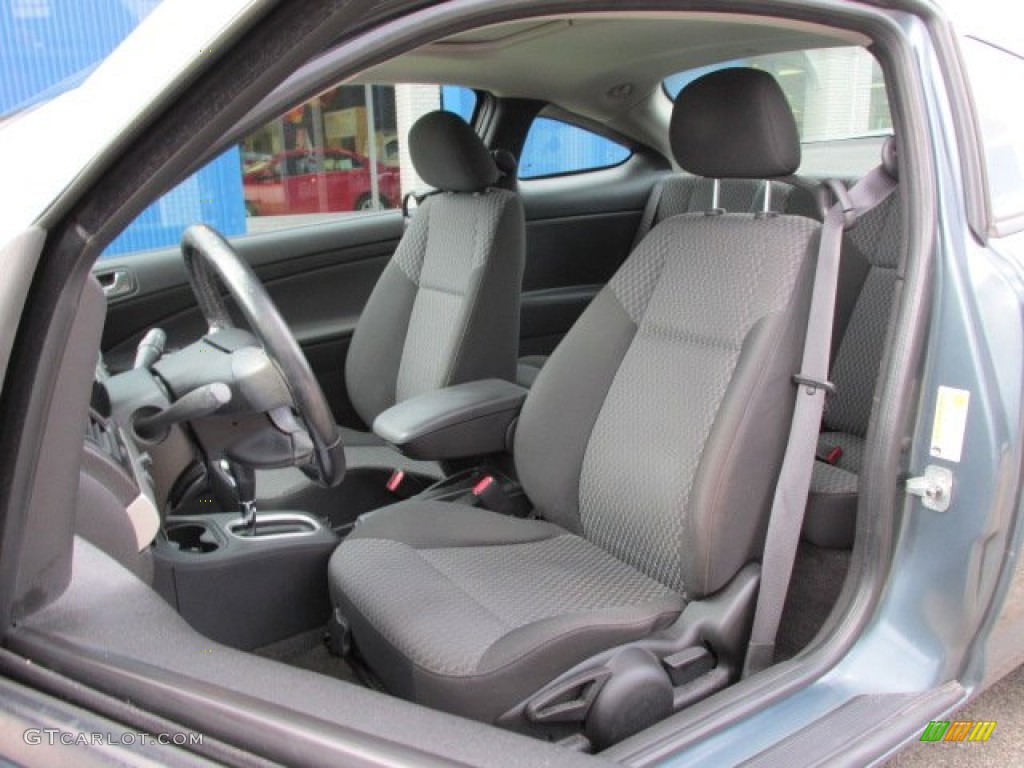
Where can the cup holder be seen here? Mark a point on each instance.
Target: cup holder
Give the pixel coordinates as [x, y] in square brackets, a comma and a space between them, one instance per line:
[190, 537]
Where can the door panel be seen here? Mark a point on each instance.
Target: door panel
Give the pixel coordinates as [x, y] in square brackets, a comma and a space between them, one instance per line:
[579, 229]
[547, 314]
[320, 277]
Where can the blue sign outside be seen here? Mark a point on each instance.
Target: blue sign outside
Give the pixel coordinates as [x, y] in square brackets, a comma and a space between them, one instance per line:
[47, 46]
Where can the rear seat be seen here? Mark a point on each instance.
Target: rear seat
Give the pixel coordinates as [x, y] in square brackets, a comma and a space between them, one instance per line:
[867, 284]
[682, 193]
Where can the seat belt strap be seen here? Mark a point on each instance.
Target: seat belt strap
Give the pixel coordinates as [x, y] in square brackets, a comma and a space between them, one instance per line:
[414, 197]
[650, 211]
[794, 481]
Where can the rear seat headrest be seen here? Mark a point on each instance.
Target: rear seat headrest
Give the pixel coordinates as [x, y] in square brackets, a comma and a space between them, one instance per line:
[449, 156]
[889, 158]
[735, 123]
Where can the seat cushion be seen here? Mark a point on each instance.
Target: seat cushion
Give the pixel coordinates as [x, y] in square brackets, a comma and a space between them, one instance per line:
[830, 520]
[289, 489]
[471, 612]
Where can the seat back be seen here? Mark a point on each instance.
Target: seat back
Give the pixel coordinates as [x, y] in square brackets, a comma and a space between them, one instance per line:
[683, 193]
[657, 428]
[446, 307]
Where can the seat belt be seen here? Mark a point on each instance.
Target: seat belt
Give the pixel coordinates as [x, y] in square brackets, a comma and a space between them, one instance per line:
[794, 482]
[647, 217]
[414, 197]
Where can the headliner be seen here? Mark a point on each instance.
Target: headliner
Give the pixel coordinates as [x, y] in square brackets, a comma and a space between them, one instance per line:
[600, 66]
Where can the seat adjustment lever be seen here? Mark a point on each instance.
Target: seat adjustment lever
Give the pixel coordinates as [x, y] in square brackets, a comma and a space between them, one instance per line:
[570, 700]
[689, 664]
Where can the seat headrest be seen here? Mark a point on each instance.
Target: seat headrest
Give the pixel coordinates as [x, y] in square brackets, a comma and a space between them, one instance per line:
[735, 123]
[449, 156]
[508, 166]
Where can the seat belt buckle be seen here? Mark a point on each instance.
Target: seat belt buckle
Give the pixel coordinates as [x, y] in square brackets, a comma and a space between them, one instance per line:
[813, 385]
[395, 481]
[400, 484]
[491, 493]
[830, 454]
[487, 492]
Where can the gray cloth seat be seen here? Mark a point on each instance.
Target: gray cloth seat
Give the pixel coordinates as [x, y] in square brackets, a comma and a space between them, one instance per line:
[444, 311]
[440, 592]
[685, 193]
[867, 288]
[679, 193]
[633, 446]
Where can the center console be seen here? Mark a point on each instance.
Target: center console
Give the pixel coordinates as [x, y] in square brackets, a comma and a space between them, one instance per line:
[246, 584]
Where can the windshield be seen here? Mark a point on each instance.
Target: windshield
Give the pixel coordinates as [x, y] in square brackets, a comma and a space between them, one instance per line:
[48, 47]
[835, 93]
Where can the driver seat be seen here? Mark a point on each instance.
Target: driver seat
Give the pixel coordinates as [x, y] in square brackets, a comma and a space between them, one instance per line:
[649, 445]
[444, 311]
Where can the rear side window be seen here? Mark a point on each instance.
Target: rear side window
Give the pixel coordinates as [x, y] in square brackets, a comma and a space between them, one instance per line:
[1000, 116]
[553, 148]
[460, 100]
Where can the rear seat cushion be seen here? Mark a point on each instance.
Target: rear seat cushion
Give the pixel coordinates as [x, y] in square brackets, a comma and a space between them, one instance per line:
[832, 505]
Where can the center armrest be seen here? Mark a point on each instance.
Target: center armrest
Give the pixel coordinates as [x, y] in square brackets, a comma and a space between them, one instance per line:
[471, 419]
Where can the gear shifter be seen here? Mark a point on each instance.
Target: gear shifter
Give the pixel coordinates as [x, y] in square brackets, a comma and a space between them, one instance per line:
[245, 485]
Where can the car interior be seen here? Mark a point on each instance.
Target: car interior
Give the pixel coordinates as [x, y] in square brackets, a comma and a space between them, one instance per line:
[510, 457]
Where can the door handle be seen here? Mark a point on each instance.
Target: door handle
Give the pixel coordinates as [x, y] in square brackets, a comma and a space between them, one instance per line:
[118, 283]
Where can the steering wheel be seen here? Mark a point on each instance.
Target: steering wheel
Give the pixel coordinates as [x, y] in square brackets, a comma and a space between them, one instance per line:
[210, 260]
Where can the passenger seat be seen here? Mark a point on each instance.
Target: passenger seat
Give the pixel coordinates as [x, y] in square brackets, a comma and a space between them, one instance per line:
[444, 311]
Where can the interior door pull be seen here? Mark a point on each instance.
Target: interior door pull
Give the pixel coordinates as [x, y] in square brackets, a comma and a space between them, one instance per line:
[117, 283]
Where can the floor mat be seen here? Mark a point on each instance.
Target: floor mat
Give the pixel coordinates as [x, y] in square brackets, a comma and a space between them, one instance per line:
[308, 651]
[818, 576]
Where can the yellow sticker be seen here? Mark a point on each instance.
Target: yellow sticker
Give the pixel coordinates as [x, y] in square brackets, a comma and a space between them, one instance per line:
[950, 423]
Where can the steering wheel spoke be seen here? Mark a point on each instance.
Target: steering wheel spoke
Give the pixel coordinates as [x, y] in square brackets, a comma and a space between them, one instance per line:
[274, 379]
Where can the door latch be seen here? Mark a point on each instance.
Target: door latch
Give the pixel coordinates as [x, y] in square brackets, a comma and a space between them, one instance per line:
[935, 487]
[118, 283]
